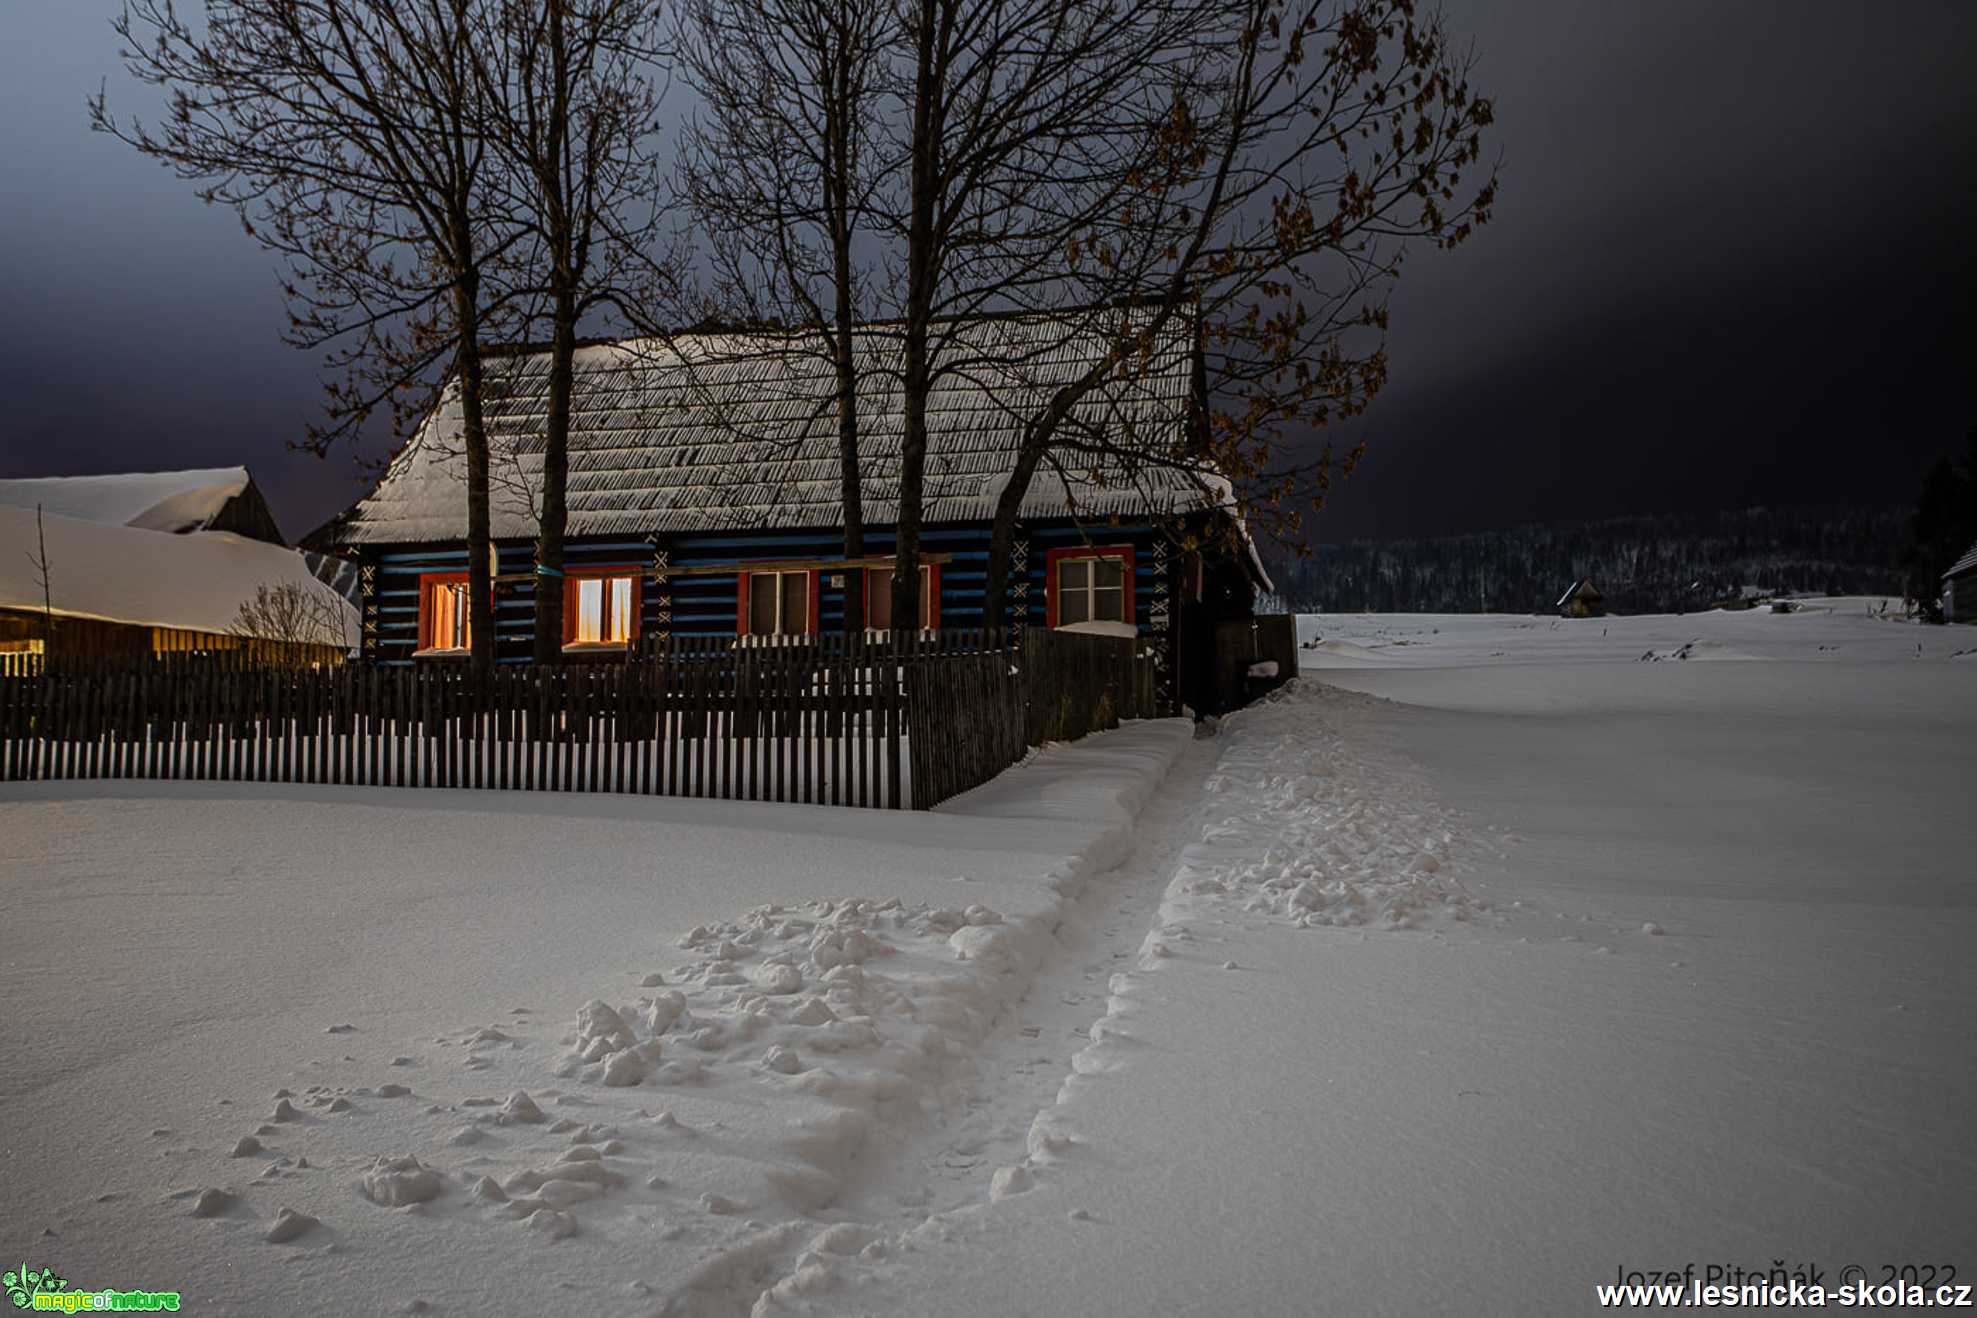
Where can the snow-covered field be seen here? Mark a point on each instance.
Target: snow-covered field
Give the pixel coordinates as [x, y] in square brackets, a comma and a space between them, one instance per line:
[1485, 961]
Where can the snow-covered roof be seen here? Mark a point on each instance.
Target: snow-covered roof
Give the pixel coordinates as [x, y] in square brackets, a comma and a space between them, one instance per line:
[736, 431]
[196, 581]
[174, 501]
[1965, 564]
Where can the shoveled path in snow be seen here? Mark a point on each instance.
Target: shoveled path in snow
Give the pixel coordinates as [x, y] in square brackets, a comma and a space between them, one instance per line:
[1170, 1171]
[1022, 1063]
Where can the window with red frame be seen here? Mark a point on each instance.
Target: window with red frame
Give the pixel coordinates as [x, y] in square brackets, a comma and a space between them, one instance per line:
[778, 603]
[878, 597]
[445, 620]
[600, 607]
[1090, 585]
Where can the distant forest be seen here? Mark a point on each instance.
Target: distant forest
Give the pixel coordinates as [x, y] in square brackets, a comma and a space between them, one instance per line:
[1646, 564]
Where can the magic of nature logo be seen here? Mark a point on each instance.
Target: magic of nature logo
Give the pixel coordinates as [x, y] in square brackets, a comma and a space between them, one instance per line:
[45, 1292]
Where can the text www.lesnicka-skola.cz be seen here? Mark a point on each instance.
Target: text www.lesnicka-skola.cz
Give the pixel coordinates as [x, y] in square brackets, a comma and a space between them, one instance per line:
[1804, 1290]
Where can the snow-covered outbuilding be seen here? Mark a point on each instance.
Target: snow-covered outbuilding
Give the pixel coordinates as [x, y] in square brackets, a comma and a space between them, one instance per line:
[704, 495]
[115, 589]
[179, 502]
[1581, 600]
[1960, 588]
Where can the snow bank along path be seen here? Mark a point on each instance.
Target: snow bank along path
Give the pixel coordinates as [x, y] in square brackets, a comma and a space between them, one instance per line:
[684, 1132]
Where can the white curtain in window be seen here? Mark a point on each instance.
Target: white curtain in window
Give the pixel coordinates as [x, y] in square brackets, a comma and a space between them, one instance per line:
[621, 611]
[590, 610]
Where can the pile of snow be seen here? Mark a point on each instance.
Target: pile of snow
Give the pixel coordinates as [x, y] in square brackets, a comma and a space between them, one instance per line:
[1101, 628]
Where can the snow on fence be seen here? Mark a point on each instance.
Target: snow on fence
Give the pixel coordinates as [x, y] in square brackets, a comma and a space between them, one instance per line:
[884, 721]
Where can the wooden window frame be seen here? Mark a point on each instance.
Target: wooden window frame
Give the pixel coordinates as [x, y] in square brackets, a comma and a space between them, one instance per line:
[745, 591]
[427, 581]
[929, 593]
[1128, 583]
[588, 572]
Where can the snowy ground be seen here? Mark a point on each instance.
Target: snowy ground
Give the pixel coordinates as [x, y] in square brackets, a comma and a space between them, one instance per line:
[1483, 962]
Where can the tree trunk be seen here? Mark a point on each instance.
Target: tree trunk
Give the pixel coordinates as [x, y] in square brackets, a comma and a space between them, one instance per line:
[921, 268]
[555, 484]
[849, 482]
[1038, 437]
[912, 463]
[473, 428]
[562, 353]
[1002, 532]
[837, 199]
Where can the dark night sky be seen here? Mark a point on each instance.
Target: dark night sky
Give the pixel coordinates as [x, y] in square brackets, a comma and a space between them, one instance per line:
[1733, 263]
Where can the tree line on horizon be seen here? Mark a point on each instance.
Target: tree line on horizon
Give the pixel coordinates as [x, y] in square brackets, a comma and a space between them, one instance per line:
[441, 178]
[1666, 563]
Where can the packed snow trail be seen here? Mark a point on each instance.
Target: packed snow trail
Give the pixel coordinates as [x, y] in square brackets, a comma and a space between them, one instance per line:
[1017, 1068]
[1295, 826]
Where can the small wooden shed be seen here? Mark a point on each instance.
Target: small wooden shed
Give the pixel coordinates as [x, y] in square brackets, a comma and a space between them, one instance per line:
[1582, 600]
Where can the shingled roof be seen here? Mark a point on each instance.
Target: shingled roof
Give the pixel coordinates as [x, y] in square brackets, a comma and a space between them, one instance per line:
[733, 431]
[1964, 564]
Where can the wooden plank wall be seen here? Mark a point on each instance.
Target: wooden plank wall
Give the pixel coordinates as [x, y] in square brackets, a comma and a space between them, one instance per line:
[1242, 643]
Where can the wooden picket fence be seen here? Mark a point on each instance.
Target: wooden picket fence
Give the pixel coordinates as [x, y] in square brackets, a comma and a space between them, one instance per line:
[891, 721]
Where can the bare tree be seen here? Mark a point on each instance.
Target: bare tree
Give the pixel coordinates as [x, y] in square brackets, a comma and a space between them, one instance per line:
[1295, 164]
[572, 105]
[783, 170]
[294, 618]
[43, 578]
[1025, 122]
[351, 137]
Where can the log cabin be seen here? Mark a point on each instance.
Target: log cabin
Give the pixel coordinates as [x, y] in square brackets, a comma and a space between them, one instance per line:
[704, 497]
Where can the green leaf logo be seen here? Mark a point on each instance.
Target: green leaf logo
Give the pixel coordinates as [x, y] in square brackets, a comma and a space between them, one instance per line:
[24, 1285]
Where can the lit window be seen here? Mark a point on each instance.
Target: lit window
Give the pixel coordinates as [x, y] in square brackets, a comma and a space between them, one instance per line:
[445, 619]
[600, 610]
[878, 598]
[1090, 585]
[778, 604]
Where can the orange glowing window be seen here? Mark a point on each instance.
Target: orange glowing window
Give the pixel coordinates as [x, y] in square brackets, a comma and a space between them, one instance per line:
[600, 608]
[445, 618]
